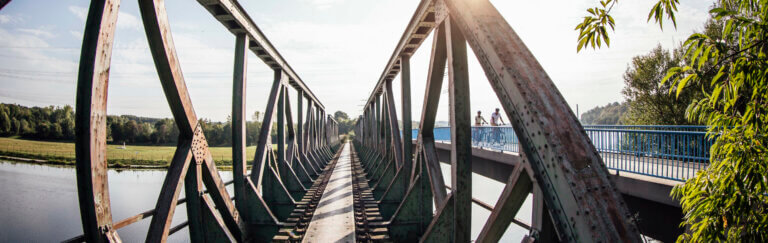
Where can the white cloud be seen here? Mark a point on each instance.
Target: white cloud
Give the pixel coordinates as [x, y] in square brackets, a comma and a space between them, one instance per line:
[79, 12]
[22, 41]
[124, 20]
[76, 34]
[128, 21]
[31, 66]
[5, 19]
[325, 4]
[38, 32]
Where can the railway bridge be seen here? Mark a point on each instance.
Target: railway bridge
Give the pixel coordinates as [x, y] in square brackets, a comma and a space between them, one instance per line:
[379, 185]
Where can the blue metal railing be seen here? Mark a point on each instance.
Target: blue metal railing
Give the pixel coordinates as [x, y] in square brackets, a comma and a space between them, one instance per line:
[691, 128]
[669, 152]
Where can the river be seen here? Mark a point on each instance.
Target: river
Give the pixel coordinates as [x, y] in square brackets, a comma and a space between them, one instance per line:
[39, 203]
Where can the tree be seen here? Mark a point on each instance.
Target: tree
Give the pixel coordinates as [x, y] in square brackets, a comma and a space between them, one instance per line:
[56, 131]
[252, 132]
[340, 115]
[5, 123]
[256, 116]
[68, 127]
[15, 127]
[345, 124]
[649, 100]
[727, 201]
[43, 130]
[26, 128]
[610, 114]
[163, 131]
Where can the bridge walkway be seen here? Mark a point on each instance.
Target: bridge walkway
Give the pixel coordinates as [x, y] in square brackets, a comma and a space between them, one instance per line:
[333, 220]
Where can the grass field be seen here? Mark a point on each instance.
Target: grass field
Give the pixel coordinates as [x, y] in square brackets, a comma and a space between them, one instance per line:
[64, 152]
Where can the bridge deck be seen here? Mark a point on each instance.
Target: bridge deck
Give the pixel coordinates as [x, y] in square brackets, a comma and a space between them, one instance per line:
[333, 220]
[645, 165]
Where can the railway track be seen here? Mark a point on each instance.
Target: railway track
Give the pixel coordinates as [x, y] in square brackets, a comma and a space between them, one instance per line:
[369, 225]
[296, 225]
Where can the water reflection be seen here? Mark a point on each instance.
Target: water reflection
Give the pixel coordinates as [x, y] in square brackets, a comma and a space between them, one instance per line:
[488, 191]
[39, 203]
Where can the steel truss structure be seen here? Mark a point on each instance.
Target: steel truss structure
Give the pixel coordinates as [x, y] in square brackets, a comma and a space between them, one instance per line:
[281, 184]
[574, 198]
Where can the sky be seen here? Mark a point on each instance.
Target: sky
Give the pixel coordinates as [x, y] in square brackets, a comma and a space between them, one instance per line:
[338, 47]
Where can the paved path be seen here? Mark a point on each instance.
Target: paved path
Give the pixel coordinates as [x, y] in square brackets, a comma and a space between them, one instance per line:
[334, 218]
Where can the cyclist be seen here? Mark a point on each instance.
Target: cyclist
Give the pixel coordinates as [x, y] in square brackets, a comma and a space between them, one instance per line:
[479, 121]
[495, 119]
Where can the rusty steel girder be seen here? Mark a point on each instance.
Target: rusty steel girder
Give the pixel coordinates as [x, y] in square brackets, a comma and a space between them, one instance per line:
[3, 3]
[212, 213]
[564, 171]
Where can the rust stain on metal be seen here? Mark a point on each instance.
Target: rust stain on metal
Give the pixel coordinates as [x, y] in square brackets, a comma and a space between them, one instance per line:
[199, 145]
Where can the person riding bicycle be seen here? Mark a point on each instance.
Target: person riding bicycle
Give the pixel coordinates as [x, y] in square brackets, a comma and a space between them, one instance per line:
[495, 119]
[479, 121]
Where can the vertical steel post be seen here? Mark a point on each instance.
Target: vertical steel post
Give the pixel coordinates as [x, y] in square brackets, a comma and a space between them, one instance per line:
[281, 126]
[311, 142]
[319, 124]
[385, 127]
[323, 130]
[378, 131]
[309, 145]
[300, 119]
[405, 79]
[369, 127]
[238, 122]
[461, 140]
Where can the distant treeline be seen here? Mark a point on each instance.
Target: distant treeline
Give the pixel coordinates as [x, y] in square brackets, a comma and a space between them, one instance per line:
[58, 123]
[648, 101]
[610, 114]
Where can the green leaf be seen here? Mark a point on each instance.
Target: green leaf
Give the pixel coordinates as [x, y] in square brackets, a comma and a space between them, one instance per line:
[654, 9]
[682, 84]
[582, 43]
[704, 57]
[728, 26]
[716, 94]
[716, 10]
[671, 72]
[719, 74]
[611, 22]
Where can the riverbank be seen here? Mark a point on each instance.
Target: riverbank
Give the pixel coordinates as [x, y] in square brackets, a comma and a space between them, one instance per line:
[130, 156]
[115, 165]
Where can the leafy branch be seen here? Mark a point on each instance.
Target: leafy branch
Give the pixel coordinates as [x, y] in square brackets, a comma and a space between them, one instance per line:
[592, 29]
[668, 7]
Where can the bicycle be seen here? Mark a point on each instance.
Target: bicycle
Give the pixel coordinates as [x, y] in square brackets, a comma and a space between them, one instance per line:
[498, 137]
[478, 134]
